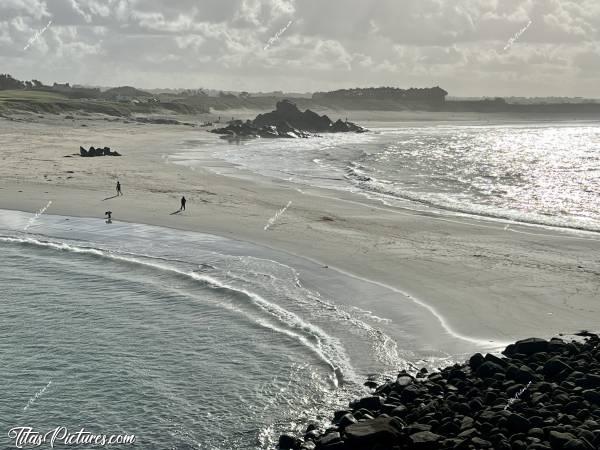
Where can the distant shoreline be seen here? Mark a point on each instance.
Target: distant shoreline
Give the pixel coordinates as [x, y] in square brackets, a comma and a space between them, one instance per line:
[56, 101]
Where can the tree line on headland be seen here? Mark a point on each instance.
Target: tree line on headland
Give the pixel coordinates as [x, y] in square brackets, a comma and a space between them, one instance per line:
[125, 100]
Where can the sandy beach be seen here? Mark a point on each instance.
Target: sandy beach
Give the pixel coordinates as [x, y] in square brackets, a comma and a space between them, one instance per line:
[479, 279]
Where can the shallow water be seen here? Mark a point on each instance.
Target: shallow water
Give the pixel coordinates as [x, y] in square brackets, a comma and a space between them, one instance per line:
[535, 172]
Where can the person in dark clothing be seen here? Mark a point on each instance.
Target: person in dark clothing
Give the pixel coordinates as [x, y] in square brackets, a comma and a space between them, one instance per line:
[119, 188]
[183, 201]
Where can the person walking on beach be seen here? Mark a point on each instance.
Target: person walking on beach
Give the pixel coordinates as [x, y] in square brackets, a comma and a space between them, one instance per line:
[119, 188]
[183, 201]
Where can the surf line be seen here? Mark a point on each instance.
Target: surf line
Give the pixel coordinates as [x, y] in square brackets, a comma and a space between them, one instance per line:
[472, 220]
[273, 310]
[417, 301]
[428, 307]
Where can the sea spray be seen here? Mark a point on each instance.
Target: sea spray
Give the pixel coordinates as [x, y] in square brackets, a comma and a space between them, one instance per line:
[37, 214]
[276, 216]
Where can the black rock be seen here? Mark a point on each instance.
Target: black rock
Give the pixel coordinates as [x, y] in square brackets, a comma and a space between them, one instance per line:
[474, 406]
[592, 396]
[481, 443]
[370, 384]
[288, 442]
[373, 434]
[97, 152]
[373, 403]
[531, 345]
[476, 360]
[329, 439]
[347, 419]
[558, 440]
[287, 121]
[488, 369]
[577, 444]
[554, 366]
[518, 423]
[424, 440]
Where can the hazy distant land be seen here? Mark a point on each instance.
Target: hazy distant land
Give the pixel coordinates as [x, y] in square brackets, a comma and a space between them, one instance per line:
[34, 97]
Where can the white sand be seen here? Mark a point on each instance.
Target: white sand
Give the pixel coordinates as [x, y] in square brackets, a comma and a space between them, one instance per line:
[481, 280]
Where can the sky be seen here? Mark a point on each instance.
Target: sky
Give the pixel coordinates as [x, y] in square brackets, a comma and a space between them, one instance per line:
[468, 47]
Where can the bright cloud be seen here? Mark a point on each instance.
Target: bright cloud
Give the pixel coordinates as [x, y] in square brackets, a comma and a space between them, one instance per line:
[331, 44]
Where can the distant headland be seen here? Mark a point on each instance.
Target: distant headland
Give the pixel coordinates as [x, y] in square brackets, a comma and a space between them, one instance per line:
[35, 97]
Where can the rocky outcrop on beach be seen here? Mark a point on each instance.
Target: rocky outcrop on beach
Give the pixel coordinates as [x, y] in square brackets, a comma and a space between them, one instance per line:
[247, 129]
[97, 152]
[287, 121]
[541, 395]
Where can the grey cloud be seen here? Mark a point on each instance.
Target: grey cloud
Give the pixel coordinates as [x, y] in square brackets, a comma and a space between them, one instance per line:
[331, 44]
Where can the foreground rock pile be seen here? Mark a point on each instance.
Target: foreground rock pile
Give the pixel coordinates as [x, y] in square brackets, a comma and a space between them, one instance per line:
[543, 395]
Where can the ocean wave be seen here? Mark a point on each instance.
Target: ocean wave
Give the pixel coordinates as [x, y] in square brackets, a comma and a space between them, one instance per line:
[359, 176]
[328, 349]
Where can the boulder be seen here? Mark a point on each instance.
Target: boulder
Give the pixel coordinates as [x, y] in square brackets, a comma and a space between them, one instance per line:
[531, 345]
[592, 396]
[329, 439]
[289, 442]
[489, 369]
[476, 360]
[518, 423]
[373, 403]
[554, 366]
[424, 440]
[558, 440]
[378, 433]
[346, 420]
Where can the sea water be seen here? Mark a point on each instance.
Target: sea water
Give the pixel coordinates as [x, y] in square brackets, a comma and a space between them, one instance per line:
[187, 340]
[539, 172]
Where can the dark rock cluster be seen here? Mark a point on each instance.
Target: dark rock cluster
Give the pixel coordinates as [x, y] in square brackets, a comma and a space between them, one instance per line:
[287, 121]
[239, 129]
[97, 152]
[542, 395]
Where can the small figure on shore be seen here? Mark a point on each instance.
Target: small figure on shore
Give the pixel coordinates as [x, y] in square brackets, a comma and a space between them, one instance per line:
[183, 201]
[108, 214]
[119, 188]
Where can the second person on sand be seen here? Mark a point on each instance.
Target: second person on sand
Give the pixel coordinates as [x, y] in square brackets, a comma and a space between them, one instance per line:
[183, 201]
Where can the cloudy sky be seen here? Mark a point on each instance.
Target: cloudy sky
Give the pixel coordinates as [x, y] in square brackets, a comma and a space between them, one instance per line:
[463, 46]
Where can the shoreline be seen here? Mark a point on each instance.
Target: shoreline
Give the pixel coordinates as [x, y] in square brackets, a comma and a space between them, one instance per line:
[466, 273]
